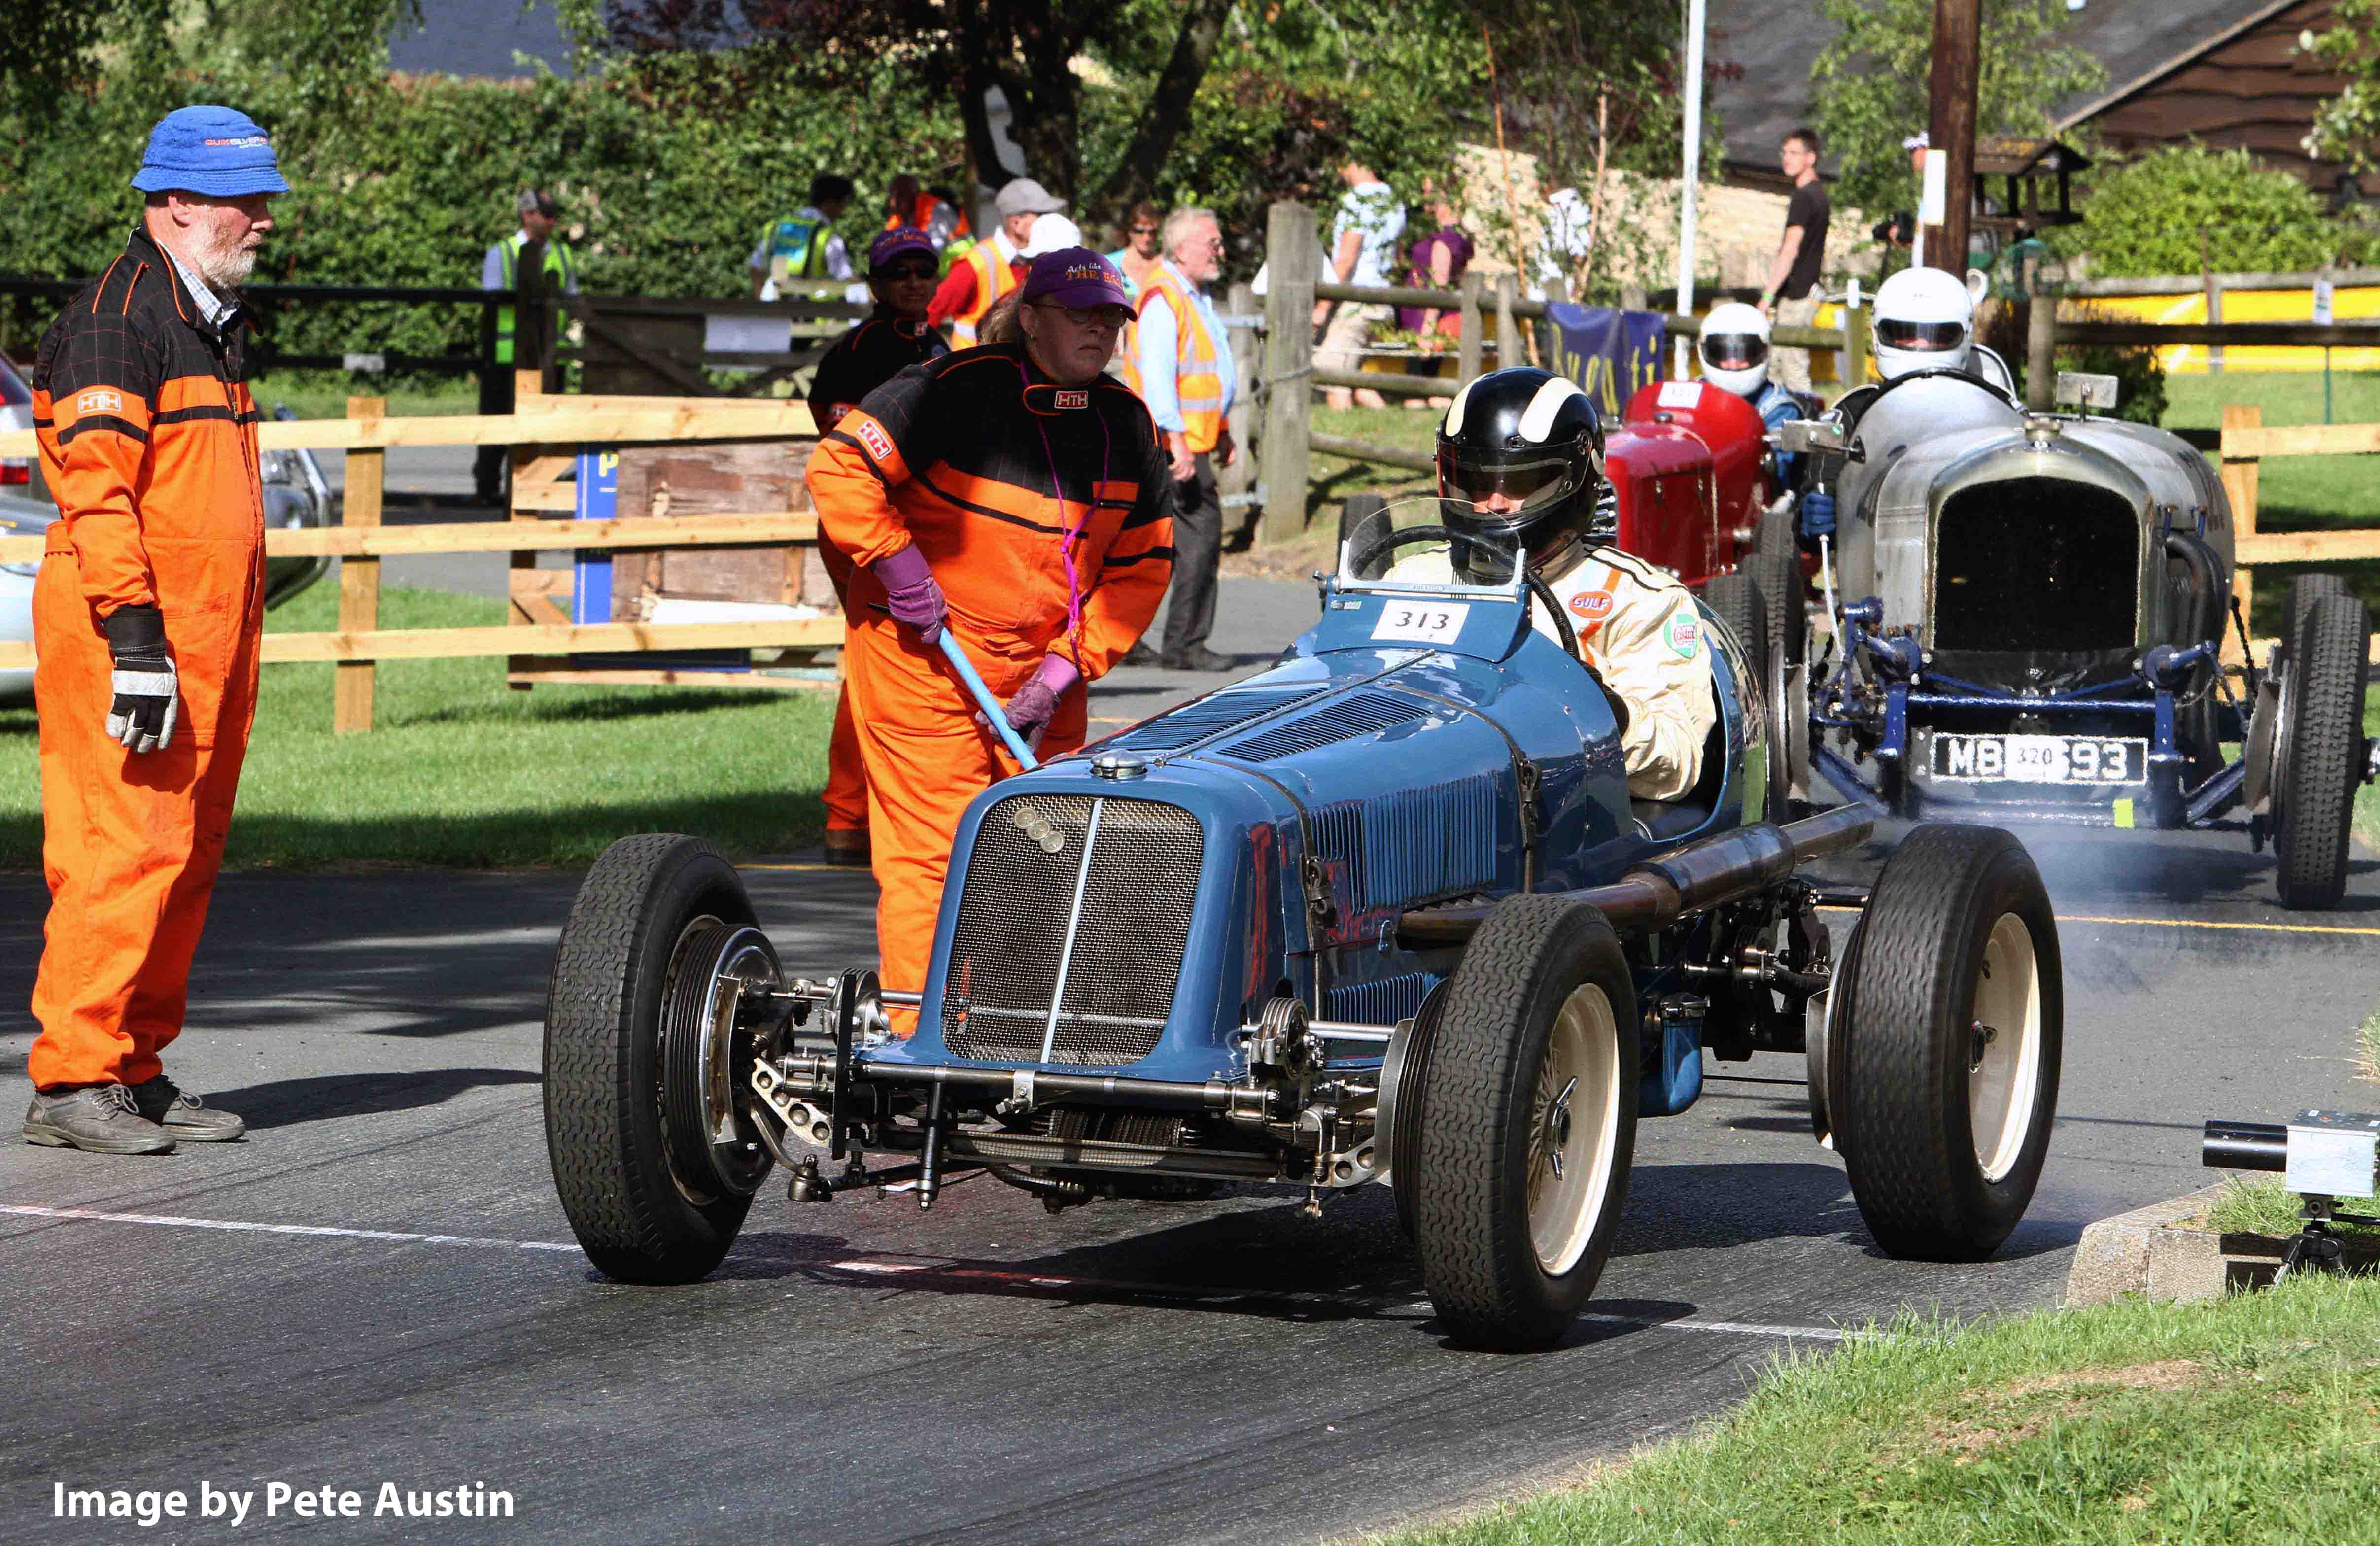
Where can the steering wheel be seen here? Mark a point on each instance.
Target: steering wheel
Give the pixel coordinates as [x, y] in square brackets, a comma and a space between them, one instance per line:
[1539, 589]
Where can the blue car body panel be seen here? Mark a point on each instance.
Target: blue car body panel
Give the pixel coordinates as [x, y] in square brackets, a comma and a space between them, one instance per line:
[1389, 775]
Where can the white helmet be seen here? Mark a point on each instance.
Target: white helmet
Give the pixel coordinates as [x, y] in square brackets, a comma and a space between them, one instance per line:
[1734, 348]
[1925, 318]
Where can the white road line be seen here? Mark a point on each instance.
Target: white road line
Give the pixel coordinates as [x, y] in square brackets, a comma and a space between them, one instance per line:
[240, 1226]
[874, 1266]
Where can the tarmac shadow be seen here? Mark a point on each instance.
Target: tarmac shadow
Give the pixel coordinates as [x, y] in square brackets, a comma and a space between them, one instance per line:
[288, 1103]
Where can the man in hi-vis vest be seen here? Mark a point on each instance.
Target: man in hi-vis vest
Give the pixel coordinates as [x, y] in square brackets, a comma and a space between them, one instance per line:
[1179, 361]
[989, 269]
[499, 270]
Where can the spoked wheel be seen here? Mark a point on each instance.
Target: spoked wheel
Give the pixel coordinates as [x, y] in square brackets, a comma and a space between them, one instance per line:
[2319, 747]
[650, 1124]
[1527, 1125]
[1945, 1044]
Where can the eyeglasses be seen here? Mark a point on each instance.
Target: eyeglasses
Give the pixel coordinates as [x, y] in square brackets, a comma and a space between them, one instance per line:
[1144, 230]
[902, 276]
[1107, 318]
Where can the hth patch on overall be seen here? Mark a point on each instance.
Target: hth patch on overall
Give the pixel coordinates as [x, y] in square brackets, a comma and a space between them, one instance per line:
[1684, 634]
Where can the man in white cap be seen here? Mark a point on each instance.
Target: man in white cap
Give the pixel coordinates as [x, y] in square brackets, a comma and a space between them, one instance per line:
[988, 271]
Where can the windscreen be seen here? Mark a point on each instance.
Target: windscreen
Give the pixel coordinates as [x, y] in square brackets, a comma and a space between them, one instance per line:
[1411, 543]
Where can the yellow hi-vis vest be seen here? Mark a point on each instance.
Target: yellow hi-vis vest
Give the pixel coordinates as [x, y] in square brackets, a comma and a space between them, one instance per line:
[1196, 382]
[993, 278]
[561, 271]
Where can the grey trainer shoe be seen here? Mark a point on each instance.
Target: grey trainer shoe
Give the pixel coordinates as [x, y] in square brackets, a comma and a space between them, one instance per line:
[100, 1118]
[184, 1115]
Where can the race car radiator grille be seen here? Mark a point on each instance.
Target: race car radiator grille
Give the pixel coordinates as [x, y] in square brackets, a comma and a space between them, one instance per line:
[2038, 565]
[1071, 929]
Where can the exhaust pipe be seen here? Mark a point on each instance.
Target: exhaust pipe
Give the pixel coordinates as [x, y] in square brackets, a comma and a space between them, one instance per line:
[1689, 879]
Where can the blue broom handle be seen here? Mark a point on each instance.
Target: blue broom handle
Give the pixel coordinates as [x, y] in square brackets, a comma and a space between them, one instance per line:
[987, 703]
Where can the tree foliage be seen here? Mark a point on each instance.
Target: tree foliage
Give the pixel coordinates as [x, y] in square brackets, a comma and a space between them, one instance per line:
[2150, 216]
[2346, 127]
[1871, 84]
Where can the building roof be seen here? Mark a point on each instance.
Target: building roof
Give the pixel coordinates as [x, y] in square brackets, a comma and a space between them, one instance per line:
[1775, 45]
[481, 38]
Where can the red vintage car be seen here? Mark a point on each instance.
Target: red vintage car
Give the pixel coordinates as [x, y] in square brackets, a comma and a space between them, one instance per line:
[1692, 479]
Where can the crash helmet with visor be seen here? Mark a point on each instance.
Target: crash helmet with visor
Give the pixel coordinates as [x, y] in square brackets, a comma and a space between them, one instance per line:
[1925, 319]
[1520, 463]
[1733, 346]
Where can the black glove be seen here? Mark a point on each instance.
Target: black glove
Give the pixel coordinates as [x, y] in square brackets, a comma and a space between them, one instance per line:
[147, 697]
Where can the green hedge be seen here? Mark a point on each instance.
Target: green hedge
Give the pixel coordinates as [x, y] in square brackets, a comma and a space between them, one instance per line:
[409, 183]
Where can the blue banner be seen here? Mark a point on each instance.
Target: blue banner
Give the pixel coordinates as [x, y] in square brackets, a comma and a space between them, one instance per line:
[1608, 352]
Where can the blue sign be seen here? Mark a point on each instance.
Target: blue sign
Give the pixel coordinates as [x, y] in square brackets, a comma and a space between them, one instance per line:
[1610, 353]
[597, 499]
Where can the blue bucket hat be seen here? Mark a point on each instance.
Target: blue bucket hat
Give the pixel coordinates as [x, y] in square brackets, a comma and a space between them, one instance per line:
[215, 151]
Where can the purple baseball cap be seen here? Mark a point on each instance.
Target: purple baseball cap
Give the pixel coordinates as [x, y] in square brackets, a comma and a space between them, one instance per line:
[898, 242]
[219, 151]
[1075, 276]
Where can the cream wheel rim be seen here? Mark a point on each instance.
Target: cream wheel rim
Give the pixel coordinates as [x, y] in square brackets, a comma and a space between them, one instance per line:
[2004, 1048]
[1574, 1120]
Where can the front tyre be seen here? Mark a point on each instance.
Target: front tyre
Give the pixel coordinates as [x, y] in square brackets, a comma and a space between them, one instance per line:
[1528, 1125]
[2321, 758]
[647, 1125]
[1952, 1026]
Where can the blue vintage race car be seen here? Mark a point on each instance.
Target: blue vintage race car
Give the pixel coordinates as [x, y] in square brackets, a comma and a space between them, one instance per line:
[1382, 913]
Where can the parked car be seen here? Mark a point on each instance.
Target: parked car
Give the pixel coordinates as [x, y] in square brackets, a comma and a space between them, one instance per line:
[295, 495]
[1385, 912]
[2031, 609]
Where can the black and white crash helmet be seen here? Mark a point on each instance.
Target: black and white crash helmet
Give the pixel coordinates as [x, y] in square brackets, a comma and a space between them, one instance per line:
[1519, 464]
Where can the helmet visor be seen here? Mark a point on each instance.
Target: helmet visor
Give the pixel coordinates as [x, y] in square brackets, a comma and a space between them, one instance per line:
[1920, 338]
[1734, 351]
[1507, 490]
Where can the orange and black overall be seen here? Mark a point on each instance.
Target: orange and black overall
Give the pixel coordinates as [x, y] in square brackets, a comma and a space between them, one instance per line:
[959, 457]
[148, 440]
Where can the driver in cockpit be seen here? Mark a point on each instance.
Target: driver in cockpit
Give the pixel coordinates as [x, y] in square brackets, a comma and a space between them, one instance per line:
[1520, 467]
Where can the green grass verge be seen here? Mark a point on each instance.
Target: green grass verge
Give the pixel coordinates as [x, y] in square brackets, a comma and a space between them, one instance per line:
[2251, 1420]
[461, 770]
[2261, 1205]
[2295, 494]
[325, 394]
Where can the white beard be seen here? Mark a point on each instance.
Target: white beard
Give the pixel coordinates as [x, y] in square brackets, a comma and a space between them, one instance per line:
[223, 266]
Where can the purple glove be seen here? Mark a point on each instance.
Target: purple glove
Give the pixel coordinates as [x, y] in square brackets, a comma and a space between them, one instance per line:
[1029, 712]
[916, 601]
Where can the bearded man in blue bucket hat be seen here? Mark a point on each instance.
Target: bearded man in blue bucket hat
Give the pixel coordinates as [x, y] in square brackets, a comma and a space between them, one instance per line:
[147, 618]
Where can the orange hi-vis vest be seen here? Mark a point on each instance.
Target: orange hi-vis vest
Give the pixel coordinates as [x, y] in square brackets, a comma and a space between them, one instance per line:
[993, 278]
[1196, 382]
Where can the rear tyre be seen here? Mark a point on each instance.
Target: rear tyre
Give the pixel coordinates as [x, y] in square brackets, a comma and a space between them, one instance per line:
[1775, 569]
[2306, 589]
[2322, 757]
[651, 1198]
[1950, 1023]
[1530, 1100]
[1735, 600]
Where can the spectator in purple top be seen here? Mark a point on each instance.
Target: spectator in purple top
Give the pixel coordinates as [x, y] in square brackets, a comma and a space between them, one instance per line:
[1439, 260]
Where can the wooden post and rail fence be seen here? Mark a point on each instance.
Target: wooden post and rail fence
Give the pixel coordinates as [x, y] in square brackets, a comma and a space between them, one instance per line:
[1294, 260]
[537, 633]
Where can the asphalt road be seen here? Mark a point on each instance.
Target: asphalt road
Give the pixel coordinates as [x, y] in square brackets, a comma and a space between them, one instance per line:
[379, 1285]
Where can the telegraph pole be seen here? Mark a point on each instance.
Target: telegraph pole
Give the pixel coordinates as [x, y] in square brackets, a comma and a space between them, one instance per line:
[1950, 129]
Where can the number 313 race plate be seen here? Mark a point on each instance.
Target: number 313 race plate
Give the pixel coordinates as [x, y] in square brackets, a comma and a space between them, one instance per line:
[2040, 760]
[1423, 622]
